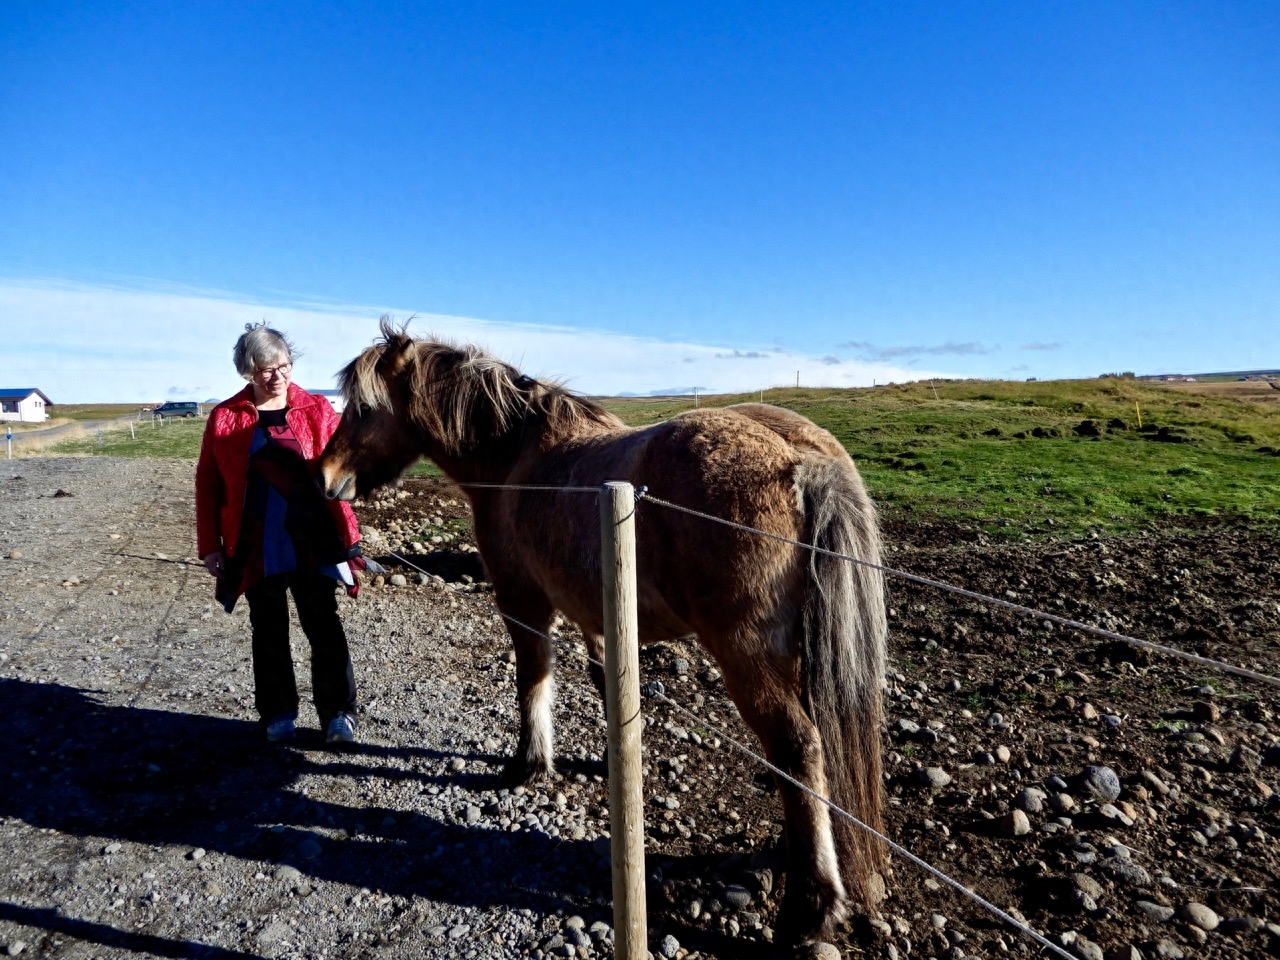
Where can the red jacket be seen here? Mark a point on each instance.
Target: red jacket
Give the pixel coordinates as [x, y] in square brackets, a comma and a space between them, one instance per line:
[222, 472]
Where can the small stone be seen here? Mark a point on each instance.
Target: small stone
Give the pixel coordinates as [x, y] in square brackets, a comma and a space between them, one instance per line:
[472, 814]
[1245, 759]
[1154, 783]
[1198, 915]
[1030, 800]
[1086, 883]
[1128, 872]
[1127, 952]
[1062, 803]
[459, 931]
[1100, 782]
[1015, 824]
[273, 933]
[1168, 950]
[288, 874]
[1242, 925]
[1113, 813]
[934, 778]
[737, 897]
[111, 848]
[399, 580]
[15, 947]
[1155, 912]
[1206, 712]
[1084, 901]
[197, 854]
[820, 951]
[16, 555]
[1087, 949]
[1088, 712]
[1003, 754]
[668, 947]
[905, 727]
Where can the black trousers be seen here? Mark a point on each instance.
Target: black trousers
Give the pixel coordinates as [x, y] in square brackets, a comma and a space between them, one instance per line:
[333, 681]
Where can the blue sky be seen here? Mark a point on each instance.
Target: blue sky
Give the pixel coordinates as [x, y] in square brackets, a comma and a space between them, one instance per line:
[637, 197]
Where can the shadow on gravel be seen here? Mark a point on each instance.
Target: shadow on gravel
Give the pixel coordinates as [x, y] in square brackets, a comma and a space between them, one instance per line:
[107, 936]
[165, 778]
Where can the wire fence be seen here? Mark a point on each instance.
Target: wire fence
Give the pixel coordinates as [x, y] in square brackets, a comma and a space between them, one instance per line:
[657, 692]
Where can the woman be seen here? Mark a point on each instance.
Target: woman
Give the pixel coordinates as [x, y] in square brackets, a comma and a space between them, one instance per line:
[263, 527]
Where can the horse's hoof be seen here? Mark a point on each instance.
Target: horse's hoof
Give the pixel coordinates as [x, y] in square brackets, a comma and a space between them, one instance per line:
[810, 915]
[521, 773]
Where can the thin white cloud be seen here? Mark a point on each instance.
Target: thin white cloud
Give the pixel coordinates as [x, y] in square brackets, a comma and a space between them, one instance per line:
[870, 351]
[1043, 346]
[83, 343]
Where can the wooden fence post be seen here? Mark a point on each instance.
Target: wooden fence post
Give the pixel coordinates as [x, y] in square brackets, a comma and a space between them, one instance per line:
[622, 696]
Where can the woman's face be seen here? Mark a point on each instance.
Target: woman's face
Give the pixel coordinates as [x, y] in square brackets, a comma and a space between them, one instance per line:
[270, 382]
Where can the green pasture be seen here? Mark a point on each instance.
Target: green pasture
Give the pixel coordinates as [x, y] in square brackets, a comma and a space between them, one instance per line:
[1005, 456]
[1001, 456]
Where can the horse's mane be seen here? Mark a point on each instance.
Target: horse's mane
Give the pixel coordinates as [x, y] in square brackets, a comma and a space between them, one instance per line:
[459, 392]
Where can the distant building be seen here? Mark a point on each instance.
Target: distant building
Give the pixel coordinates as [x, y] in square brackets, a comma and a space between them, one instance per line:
[24, 404]
[334, 397]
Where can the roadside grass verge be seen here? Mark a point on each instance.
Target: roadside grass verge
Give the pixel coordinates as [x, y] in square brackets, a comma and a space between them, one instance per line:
[168, 439]
[98, 411]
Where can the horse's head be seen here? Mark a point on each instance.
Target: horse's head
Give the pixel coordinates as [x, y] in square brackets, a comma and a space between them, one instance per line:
[376, 440]
[462, 407]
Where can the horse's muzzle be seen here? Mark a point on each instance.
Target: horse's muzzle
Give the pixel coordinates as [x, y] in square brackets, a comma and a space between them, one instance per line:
[341, 487]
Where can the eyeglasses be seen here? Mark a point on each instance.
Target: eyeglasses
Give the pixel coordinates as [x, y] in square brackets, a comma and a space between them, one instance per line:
[268, 373]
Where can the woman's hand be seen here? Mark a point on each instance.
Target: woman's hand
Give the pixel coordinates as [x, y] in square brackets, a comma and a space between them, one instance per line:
[215, 563]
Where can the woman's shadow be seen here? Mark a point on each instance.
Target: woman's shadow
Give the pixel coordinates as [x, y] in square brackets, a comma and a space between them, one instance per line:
[163, 778]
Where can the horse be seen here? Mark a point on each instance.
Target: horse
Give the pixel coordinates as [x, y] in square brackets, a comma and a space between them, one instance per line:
[799, 636]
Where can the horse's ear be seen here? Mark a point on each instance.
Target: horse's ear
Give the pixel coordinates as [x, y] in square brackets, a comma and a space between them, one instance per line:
[397, 355]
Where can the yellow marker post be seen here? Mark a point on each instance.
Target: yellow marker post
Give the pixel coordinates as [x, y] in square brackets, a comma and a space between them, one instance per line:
[1139, 413]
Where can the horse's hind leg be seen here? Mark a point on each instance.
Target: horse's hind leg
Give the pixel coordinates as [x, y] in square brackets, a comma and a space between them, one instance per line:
[535, 688]
[815, 900]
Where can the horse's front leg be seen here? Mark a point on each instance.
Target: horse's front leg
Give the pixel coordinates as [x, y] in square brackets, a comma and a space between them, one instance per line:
[595, 661]
[535, 687]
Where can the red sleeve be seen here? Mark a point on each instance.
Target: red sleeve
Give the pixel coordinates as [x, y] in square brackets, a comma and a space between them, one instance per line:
[210, 494]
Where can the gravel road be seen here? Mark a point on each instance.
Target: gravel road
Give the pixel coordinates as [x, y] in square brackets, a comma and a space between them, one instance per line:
[140, 814]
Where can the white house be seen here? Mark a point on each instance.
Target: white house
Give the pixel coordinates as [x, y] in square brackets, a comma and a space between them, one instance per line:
[25, 404]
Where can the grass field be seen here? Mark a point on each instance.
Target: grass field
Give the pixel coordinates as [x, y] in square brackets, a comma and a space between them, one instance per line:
[1002, 456]
[96, 411]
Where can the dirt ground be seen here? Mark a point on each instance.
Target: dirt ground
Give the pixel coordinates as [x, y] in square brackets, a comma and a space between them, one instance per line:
[140, 814]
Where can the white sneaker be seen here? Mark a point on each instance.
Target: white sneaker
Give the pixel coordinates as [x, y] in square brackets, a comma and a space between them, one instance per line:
[281, 730]
[341, 730]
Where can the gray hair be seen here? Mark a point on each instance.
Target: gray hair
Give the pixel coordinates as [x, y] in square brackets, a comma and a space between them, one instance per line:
[258, 347]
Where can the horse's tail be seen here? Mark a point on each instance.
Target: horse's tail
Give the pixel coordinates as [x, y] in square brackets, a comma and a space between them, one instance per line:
[843, 659]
